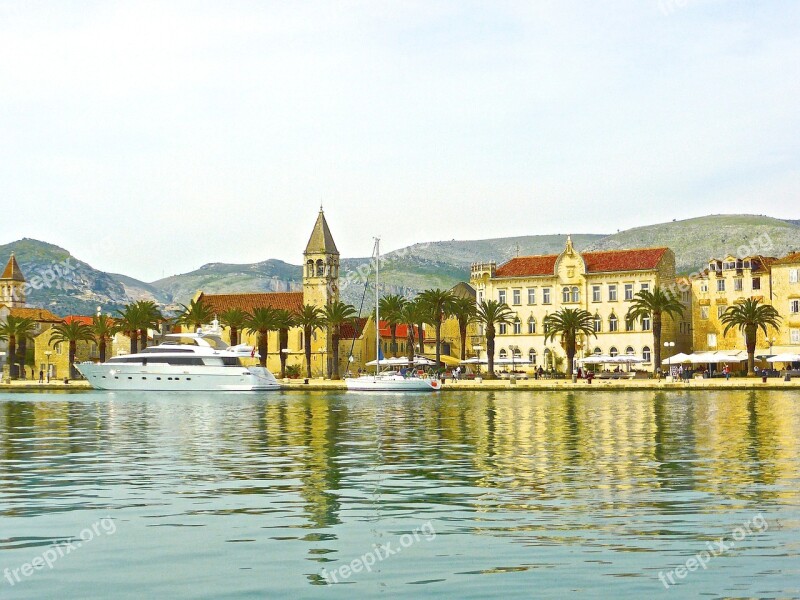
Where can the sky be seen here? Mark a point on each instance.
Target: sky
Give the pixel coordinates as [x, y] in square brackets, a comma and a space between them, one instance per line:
[150, 138]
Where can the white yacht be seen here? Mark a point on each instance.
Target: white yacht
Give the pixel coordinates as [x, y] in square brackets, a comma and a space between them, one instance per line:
[389, 380]
[199, 361]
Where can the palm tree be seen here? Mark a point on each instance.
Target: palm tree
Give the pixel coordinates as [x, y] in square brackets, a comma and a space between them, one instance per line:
[71, 333]
[410, 316]
[102, 329]
[13, 330]
[284, 320]
[656, 303]
[464, 310]
[390, 307]
[749, 316]
[235, 319]
[310, 318]
[261, 322]
[491, 313]
[336, 314]
[150, 317]
[569, 323]
[195, 315]
[440, 304]
[128, 323]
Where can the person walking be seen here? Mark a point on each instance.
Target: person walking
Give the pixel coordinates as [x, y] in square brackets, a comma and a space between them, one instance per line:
[41, 376]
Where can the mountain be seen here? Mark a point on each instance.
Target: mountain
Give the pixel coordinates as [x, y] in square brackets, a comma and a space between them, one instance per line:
[694, 241]
[405, 271]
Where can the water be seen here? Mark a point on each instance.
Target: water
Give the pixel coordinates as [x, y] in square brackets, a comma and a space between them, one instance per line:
[476, 494]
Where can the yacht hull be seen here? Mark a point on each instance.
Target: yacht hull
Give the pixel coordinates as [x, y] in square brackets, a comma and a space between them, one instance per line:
[372, 383]
[161, 377]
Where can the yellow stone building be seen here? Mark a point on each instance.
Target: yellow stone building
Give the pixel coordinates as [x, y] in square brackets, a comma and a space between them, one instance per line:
[726, 282]
[786, 300]
[603, 283]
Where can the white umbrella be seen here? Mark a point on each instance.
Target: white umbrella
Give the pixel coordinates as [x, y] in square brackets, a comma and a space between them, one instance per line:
[475, 360]
[787, 357]
[596, 359]
[389, 362]
[677, 359]
[423, 361]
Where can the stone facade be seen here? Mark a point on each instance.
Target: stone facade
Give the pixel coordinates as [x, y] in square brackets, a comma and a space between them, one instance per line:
[786, 299]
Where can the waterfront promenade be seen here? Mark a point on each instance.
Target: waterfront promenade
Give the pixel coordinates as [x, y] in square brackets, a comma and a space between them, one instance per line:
[737, 383]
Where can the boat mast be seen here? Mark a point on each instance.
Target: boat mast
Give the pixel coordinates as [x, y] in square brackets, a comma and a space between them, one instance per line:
[377, 308]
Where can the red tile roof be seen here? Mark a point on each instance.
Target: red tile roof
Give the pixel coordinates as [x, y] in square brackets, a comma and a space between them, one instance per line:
[353, 329]
[789, 259]
[219, 303]
[350, 330]
[80, 318]
[402, 331]
[639, 259]
[40, 315]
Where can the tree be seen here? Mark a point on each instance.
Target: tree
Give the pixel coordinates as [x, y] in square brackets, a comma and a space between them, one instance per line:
[102, 328]
[234, 319]
[491, 313]
[336, 314]
[656, 303]
[128, 323]
[14, 330]
[284, 321]
[195, 315]
[150, 317]
[410, 316]
[310, 318]
[749, 316]
[261, 322]
[71, 333]
[569, 323]
[464, 310]
[390, 309]
[440, 304]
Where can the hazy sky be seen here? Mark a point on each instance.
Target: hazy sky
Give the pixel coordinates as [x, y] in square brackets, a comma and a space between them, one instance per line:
[149, 138]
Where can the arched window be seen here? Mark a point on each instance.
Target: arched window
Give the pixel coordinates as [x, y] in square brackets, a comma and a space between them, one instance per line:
[598, 323]
[597, 351]
[548, 357]
[613, 351]
[565, 294]
[629, 325]
[517, 326]
[320, 268]
[310, 268]
[517, 354]
[646, 323]
[613, 323]
[629, 350]
[531, 325]
[532, 356]
[576, 294]
[503, 353]
[646, 353]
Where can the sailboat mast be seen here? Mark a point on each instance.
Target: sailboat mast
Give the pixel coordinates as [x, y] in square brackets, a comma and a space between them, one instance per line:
[377, 307]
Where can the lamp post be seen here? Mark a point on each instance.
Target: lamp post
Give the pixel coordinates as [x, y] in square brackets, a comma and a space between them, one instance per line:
[669, 345]
[513, 355]
[47, 354]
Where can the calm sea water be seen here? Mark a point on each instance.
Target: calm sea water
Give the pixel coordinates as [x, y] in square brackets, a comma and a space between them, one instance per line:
[469, 495]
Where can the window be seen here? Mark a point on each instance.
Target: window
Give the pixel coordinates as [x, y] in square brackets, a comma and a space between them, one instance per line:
[756, 283]
[612, 292]
[546, 295]
[531, 295]
[595, 293]
[531, 325]
[516, 295]
[704, 285]
[480, 296]
[565, 294]
[576, 294]
[711, 340]
[793, 275]
[794, 306]
[794, 336]
[503, 328]
[720, 285]
[629, 325]
[613, 351]
[646, 354]
[704, 312]
[598, 323]
[517, 354]
[628, 291]
[58, 348]
[645, 287]
[721, 311]
[646, 323]
[501, 296]
[597, 351]
[613, 324]
[738, 284]
[517, 326]
[729, 265]
[629, 350]
[503, 353]
[532, 356]
[545, 326]
[301, 340]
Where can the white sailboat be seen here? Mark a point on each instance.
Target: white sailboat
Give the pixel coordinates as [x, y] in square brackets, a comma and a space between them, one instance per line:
[388, 380]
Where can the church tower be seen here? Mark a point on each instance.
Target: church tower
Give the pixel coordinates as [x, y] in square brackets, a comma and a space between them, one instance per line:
[12, 285]
[320, 266]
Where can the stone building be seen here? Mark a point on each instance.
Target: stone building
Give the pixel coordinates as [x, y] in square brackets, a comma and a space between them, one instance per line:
[785, 280]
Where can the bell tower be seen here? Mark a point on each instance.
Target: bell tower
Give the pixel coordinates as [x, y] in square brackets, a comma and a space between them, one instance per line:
[320, 265]
[12, 285]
